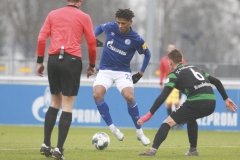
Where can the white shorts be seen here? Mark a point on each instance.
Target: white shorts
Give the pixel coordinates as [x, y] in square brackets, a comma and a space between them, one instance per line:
[107, 78]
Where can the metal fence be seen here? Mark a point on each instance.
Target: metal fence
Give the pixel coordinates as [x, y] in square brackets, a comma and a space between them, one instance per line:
[27, 67]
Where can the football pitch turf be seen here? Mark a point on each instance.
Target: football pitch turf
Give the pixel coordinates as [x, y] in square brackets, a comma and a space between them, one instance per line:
[24, 142]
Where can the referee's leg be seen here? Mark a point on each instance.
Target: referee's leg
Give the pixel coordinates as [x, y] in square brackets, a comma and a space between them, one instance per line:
[51, 117]
[70, 70]
[65, 120]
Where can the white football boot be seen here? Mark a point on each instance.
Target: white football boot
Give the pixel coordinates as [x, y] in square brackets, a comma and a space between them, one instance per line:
[141, 137]
[119, 135]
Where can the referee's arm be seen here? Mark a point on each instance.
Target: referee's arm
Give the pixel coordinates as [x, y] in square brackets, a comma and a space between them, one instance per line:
[91, 41]
[42, 37]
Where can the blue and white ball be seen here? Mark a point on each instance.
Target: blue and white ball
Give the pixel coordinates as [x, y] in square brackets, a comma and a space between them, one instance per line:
[100, 140]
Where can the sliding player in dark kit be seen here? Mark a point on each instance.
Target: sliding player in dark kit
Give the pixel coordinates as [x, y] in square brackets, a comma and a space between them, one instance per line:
[200, 101]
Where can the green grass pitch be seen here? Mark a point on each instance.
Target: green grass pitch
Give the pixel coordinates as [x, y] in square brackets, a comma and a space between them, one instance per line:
[24, 142]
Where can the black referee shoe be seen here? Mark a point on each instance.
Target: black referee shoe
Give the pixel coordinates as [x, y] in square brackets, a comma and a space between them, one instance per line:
[46, 150]
[57, 154]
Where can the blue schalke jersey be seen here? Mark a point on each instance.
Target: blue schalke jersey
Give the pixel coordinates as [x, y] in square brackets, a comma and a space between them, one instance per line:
[119, 48]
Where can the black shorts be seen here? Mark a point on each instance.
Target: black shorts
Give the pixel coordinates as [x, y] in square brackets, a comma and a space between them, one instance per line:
[64, 75]
[190, 111]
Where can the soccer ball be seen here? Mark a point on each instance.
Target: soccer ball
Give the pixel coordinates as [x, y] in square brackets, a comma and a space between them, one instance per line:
[100, 140]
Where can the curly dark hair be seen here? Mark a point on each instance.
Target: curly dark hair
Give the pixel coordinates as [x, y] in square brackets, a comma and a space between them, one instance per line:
[124, 13]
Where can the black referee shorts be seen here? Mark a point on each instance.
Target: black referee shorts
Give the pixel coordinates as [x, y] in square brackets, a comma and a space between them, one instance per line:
[190, 111]
[64, 75]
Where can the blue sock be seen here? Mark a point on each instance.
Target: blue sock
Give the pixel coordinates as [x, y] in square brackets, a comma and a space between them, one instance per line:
[104, 111]
[134, 113]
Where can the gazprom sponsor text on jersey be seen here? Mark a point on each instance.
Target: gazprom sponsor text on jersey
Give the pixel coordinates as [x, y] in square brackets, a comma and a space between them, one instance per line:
[109, 45]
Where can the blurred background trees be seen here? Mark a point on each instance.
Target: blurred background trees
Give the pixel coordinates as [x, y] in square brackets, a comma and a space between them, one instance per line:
[206, 31]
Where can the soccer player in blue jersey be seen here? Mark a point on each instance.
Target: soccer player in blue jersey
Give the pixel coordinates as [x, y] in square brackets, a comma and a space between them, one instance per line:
[121, 44]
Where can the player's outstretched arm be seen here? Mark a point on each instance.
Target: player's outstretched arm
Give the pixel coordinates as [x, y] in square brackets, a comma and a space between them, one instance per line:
[144, 118]
[158, 102]
[218, 84]
[230, 105]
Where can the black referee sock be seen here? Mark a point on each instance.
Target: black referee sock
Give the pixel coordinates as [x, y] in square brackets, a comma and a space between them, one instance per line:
[63, 128]
[50, 120]
[192, 128]
[161, 135]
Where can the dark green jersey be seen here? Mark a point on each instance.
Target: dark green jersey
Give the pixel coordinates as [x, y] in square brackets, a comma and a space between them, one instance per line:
[191, 81]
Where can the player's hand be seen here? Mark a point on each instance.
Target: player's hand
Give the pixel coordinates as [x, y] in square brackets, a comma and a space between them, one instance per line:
[231, 106]
[90, 71]
[40, 69]
[144, 118]
[136, 77]
[139, 122]
[99, 43]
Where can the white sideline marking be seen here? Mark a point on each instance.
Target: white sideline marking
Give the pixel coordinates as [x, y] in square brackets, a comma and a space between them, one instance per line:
[23, 149]
[7, 149]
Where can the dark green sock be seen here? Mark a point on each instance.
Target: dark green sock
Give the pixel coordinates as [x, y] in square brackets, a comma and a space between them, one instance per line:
[192, 128]
[161, 135]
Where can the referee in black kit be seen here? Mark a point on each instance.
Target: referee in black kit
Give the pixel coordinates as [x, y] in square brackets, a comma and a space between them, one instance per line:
[65, 27]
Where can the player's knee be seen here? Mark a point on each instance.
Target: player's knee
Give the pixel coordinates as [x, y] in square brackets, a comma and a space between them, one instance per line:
[98, 96]
[170, 121]
[56, 102]
[130, 98]
[98, 92]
